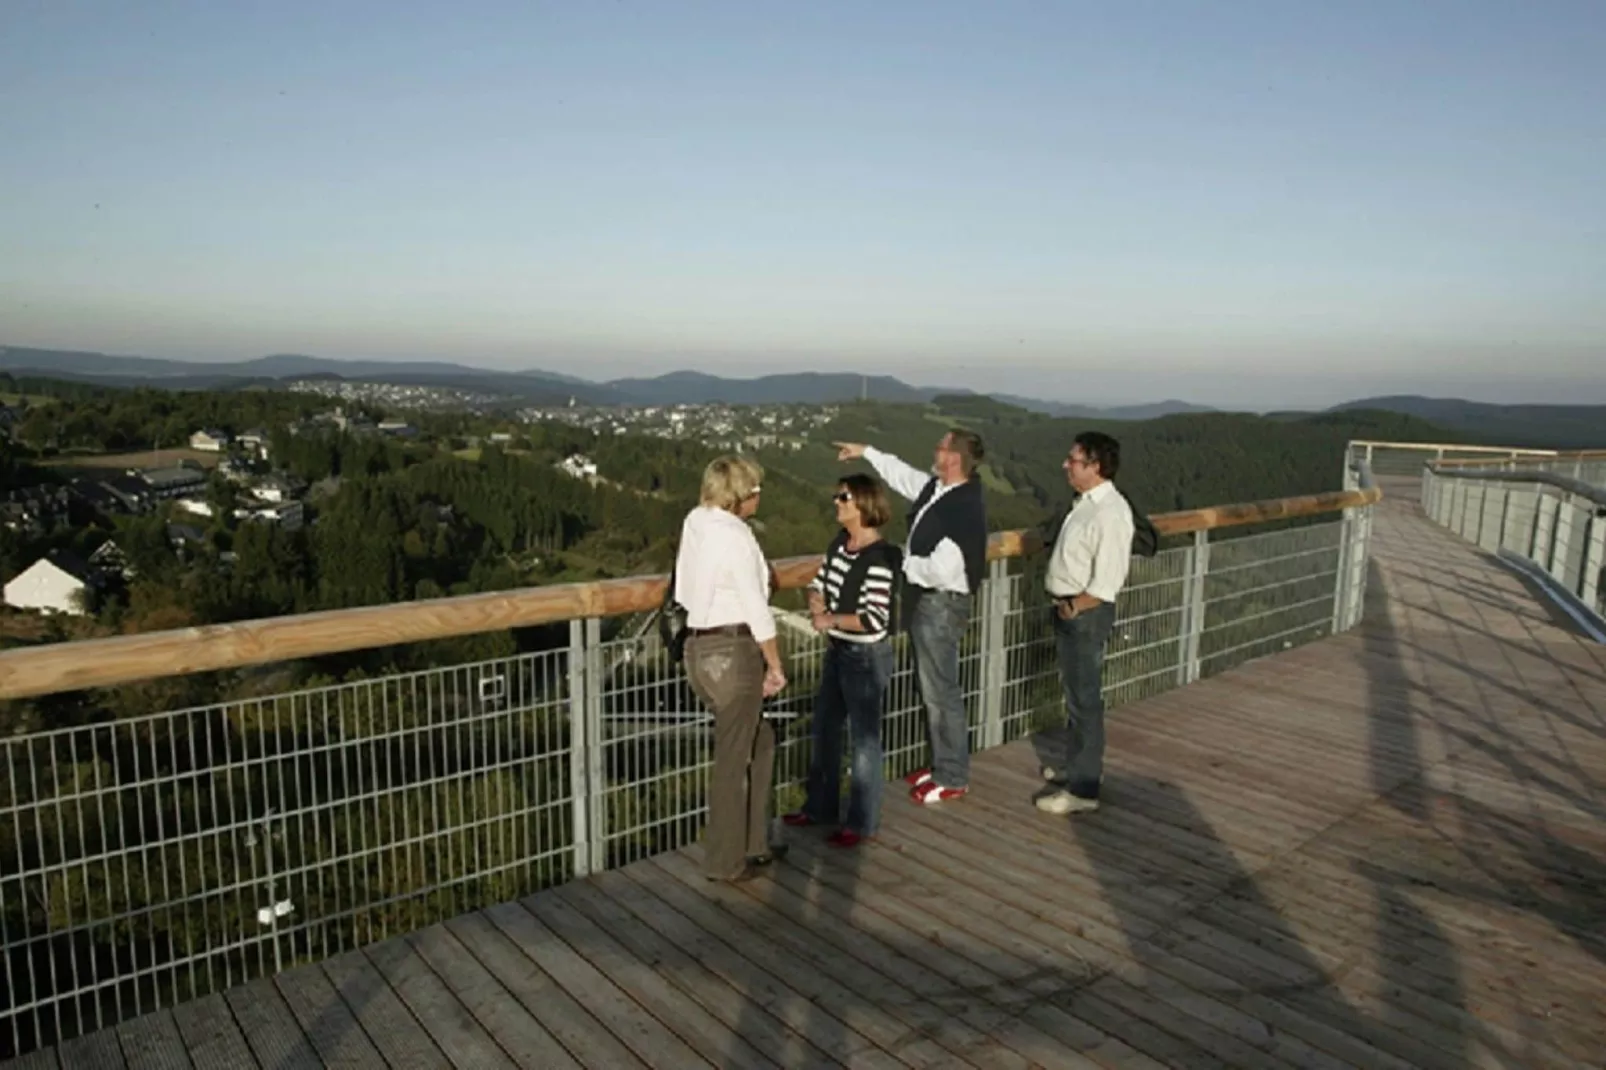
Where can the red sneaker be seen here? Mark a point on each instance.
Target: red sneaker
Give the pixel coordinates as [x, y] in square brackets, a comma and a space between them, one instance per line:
[918, 777]
[844, 838]
[797, 820]
[931, 793]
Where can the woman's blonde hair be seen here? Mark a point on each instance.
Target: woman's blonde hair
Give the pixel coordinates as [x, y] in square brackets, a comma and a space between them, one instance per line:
[730, 480]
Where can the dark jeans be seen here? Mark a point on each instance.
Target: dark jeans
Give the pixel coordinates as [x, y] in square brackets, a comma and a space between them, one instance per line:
[936, 626]
[853, 681]
[727, 673]
[1075, 750]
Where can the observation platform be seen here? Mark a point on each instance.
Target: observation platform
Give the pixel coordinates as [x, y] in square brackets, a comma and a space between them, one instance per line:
[1381, 849]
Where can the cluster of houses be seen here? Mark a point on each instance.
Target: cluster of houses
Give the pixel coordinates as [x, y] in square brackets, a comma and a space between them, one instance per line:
[60, 581]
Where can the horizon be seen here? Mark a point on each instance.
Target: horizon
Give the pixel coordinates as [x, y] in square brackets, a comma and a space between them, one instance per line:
[1146, 400]
[1262, 207]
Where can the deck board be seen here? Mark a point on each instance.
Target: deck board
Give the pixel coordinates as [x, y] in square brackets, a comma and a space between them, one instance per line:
[1384, 849]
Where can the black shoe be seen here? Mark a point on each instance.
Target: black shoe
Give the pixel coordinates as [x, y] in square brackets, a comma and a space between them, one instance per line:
[776, 852]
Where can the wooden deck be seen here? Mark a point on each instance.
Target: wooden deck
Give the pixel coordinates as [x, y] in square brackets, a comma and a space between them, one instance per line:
[1381, 850]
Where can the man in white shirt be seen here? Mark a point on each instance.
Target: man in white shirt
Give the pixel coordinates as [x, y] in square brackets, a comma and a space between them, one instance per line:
[943, 566]
[1086, 570]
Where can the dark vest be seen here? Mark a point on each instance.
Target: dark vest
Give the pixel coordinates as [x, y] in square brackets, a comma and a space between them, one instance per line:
[960, 515]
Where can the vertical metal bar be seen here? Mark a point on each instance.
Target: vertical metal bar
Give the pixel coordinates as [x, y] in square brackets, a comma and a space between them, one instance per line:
[1342, 575]
[1193, 608]
[1363, 567]
[578, 749]
[596, 782]
[995, 608]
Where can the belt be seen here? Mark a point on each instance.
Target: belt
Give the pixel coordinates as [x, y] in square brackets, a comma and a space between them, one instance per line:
[735, 630]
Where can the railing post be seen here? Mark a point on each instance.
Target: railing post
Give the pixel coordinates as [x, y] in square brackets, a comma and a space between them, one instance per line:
[1343, 577]
[1594, 562]
[585, 746]
[995, 604]
[1544, 532]
[1195, 568]
[1561, 552]
[1363, 567]
[596, 746]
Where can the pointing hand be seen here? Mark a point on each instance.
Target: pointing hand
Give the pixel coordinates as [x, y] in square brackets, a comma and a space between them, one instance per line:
[849, 451]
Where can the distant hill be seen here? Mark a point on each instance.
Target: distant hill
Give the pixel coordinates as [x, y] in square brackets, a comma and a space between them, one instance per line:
[1151, 411]
[808, 388]
[1535, 426]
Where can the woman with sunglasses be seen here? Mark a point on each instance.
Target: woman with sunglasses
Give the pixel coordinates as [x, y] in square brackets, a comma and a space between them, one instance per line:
[851, 602]
[732, 662]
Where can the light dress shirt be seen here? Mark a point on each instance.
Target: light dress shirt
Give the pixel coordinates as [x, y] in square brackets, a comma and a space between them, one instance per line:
[944, 568]
[1093, 553]
[721, 576]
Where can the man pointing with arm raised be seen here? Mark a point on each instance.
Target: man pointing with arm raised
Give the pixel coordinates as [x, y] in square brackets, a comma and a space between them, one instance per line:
[943, 565]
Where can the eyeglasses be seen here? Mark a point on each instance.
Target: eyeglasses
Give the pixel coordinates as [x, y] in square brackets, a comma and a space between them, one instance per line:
[842, 496]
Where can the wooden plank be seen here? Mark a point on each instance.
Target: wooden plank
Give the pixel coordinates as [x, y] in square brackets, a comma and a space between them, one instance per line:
[970, 968]
[152, 1042]
[99, 1050]
[269, 1028]
[330, 1027]
[1047, 909]
[727, 1003]
[762, 990]
[464, 1041]
[384, 1018]
[212, 1036]
[838, 986]
[47, 1059]
[635, 1028]
[587, 1040]
[701, 1031]
[518, 1033]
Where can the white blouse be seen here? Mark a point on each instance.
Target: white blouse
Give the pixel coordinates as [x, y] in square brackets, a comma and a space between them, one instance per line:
[721, 576]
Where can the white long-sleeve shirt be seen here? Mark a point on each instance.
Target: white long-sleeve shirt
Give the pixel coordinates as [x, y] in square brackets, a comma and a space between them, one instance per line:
[1093, 553]
[721, 576]
[944, 568]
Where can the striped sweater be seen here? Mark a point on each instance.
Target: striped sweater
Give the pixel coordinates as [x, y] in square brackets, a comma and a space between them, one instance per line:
[859, 583]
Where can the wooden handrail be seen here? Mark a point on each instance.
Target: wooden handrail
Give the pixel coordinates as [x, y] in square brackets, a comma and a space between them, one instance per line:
[123, 659]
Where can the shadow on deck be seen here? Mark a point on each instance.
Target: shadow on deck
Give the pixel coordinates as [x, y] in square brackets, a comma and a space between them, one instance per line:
[1385, 849]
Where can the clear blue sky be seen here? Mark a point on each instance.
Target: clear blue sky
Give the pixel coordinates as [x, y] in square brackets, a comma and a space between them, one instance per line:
[1240, 202]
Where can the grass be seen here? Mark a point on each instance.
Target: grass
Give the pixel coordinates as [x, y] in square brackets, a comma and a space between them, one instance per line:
[142, 459]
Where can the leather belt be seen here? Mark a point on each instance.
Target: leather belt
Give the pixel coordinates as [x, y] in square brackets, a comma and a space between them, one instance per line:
[733, 630]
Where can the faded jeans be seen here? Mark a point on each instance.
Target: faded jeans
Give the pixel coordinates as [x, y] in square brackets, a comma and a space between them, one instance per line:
[1075, 750]
[936, 626]
[853, 682]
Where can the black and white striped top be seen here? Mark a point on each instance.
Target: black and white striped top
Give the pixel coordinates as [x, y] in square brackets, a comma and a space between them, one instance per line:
[859, 583]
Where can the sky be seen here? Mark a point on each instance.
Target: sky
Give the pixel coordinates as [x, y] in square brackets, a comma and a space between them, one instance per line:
[1255, 203]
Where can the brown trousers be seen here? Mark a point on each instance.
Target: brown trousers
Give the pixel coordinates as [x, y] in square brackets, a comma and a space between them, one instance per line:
[727, 673]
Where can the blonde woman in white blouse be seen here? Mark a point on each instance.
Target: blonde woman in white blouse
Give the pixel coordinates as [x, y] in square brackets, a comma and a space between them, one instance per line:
[732, 661]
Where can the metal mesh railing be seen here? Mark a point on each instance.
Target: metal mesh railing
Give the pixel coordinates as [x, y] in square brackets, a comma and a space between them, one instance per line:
[1555, 533]
[155, 858]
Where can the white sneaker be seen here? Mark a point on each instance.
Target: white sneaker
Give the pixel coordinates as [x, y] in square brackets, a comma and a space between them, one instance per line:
[1063, 802]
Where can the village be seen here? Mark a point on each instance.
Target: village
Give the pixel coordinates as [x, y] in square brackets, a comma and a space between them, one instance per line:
[219, 476]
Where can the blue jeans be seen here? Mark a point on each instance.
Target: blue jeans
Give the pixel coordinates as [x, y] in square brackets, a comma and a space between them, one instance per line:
[1075, 750]
[936, 627]
[853, 681]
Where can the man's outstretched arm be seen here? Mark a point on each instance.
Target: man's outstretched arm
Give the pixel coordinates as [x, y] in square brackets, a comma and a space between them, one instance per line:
[901, 476]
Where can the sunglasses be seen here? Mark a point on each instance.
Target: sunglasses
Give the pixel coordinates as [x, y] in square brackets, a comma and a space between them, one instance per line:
[842, 496]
